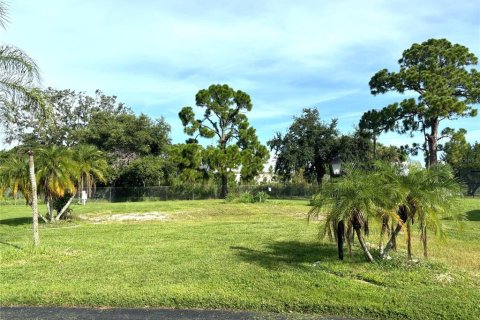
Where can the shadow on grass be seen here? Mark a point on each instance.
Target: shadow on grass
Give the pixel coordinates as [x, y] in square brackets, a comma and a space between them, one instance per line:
[10, 244]
[473, 215]
[16, 221]
[293, 254]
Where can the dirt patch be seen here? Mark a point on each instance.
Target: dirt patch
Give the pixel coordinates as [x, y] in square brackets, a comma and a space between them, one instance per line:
[132, 216]
[444, 278]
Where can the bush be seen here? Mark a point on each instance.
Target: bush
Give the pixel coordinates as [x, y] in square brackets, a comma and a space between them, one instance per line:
[261, 196]
[230, 197]
[247, 197]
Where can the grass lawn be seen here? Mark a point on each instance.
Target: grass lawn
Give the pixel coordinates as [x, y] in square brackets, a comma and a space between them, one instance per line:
[210, 254]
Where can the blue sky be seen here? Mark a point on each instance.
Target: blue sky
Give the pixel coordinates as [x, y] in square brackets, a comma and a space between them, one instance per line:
[155, 55]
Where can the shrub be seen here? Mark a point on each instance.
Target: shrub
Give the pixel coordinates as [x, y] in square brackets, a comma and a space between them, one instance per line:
[230, 197]
[246, 197]
[260, 196]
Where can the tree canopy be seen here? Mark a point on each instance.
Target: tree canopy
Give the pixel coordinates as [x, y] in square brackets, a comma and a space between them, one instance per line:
[126, 135]
[225, 119]
[441, 75]
[464, 158]
[308, 147]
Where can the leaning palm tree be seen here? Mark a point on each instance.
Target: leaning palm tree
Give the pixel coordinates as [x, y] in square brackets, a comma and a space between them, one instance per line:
[57, 172]
[351, 201]
[91, 167]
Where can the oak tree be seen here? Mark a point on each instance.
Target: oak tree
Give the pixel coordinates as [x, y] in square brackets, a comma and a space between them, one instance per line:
[308, 146]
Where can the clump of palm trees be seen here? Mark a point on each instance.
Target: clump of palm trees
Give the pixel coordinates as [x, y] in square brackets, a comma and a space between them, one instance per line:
[60, 172]
[388, 195]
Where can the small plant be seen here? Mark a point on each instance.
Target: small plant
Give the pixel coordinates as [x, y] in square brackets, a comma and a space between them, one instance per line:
[230, 197]
[261, 196]
[246, 197]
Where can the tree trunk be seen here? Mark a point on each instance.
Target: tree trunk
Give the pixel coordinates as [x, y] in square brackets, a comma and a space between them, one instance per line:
[424, 240]
[224, 190]
[320, 172]
[50, 209]
[433, 143]
[340, 235]
[65, 207]
[374, 148]
[80, 190]
[382, 232]
[392, 241]
[349, 236]
[357, 226]
[363, 245]
[33, 183]
[43, 218]
[409, 240]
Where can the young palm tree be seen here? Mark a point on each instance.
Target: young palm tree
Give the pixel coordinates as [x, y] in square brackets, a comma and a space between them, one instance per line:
[14, 176]
[352, 200]
[57, 173]
[92, 167]
[431, 195]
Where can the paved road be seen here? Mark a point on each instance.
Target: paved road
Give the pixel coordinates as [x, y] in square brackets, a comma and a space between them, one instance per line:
[47, 313]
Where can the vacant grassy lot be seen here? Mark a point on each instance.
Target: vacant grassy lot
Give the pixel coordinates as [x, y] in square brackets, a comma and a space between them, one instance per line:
[209, 254]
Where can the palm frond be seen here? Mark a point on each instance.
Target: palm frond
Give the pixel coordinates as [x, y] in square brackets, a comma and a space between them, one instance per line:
[17, 66]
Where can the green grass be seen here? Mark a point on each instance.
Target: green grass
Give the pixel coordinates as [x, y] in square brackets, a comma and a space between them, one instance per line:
[210, 254]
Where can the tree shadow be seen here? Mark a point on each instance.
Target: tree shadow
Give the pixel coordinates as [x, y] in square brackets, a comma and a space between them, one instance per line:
[290, 254]
[473, 215]
[16, 221]
[10, 244]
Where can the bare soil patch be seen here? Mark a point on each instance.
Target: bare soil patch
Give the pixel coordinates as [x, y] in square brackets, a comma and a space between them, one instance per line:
[132, 216]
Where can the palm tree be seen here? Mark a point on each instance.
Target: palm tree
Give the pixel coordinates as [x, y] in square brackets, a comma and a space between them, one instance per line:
[57, 174]
[18, 75]
[431, 195]
[14, 176]
[92, 167]
[352, 200]
[17, 70]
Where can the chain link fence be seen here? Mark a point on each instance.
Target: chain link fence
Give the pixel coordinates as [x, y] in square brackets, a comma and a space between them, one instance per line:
[192, 192]
[184, 192]
[198, 192]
